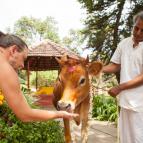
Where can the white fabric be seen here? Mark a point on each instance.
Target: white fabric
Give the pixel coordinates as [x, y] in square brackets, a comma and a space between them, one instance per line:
[131, 126]
[131, 60]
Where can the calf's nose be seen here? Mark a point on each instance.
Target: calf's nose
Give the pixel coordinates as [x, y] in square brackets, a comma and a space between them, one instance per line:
[63, 105]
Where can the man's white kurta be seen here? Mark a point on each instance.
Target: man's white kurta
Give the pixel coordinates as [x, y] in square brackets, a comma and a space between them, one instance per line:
[131, 60]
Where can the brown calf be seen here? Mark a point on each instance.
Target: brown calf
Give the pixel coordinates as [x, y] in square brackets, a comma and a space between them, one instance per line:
[71, 91]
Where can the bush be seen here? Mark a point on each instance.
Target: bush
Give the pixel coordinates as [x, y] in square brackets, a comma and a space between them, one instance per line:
[44, 78]
[13, 130]
[104, 108]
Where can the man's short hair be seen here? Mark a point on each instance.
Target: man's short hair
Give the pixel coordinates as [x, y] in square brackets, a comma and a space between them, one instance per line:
[7, 40]
[138, 16]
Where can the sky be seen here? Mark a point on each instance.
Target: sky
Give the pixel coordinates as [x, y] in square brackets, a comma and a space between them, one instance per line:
[67, 13]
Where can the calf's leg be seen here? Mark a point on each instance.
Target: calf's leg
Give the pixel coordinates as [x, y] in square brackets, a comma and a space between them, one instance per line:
[84, 118]
[67, 131]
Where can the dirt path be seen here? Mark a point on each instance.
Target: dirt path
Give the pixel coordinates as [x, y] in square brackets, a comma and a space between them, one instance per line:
[99, 132]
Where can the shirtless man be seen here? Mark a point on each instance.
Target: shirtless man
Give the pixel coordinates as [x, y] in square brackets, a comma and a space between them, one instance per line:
[13, 52]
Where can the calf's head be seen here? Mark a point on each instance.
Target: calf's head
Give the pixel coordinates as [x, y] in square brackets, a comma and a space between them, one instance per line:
[74, 81]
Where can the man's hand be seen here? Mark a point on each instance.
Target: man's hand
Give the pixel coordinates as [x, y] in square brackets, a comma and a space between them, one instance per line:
[114, 91]
[67, 115]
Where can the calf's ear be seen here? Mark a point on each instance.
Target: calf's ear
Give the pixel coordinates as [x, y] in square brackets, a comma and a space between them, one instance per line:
[94, 68]
[62, 60]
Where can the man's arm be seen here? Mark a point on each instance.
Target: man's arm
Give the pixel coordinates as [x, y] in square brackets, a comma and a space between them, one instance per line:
[137, 81]
[9, 83]
[111, 68]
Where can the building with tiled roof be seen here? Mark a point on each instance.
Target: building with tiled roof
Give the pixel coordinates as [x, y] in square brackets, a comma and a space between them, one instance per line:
[41, 57]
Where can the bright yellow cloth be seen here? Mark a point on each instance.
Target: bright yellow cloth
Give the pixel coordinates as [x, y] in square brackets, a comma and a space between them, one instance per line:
[45, 90]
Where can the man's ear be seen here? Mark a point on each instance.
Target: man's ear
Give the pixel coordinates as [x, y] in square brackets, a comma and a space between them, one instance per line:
[13, 49]
[95, 68]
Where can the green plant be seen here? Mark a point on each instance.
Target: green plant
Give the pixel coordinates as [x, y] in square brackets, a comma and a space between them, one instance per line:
[44, 78]
[23, 85]
[13, 130]
[104, 108]
[22, 80]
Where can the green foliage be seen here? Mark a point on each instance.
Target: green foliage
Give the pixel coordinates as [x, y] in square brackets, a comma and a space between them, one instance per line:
[23, 86]
[87, 4]
[22, 80]
[106, 23]
[13, 130]
[32, 29]
[104, 108]
[74, 40]
[44, 78]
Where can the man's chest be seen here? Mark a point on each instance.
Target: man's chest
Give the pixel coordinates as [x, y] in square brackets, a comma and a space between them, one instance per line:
[132, 56]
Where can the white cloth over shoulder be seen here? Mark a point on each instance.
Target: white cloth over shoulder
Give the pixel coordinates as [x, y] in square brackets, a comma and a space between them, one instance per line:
[131, 60]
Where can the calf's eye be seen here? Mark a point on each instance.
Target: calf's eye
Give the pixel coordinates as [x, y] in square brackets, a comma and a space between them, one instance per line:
[82, 81]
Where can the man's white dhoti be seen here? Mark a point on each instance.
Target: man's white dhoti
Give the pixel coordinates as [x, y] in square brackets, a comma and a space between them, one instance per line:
[130, 126]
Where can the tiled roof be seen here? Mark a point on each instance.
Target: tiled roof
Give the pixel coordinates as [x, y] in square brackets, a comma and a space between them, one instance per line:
[50, 49]
[41, 57]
